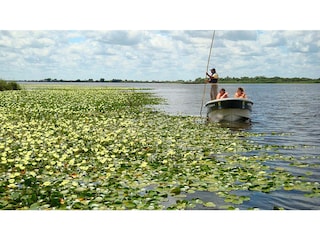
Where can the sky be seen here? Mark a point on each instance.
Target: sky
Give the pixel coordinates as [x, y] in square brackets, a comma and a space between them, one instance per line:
[157, 54]
[84, 40]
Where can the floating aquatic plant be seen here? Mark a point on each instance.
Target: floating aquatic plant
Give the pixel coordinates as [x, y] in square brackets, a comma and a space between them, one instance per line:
[105, 148]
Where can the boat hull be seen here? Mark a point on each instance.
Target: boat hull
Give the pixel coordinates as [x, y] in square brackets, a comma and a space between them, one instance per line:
[229, 109]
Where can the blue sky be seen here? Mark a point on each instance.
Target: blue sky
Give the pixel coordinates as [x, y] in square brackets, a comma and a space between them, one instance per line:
[72, 42]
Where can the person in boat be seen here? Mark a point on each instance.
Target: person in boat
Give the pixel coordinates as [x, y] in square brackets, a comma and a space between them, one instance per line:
[213, 79]
[240, 93]
[222, 94]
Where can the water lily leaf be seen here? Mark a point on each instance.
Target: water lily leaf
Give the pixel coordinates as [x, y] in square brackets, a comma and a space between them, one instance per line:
[180, 196]
[176, 190]
[129, 204]
[312, 195]
[35, 206]
[209, 204]
[66, 191]
[3, 203]
[80, 189]
[97, 148]
[98, 199]
[288, 187]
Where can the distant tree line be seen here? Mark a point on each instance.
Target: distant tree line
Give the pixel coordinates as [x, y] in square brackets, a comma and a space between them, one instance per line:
[261, 79]
[77, 80]
[257, 79]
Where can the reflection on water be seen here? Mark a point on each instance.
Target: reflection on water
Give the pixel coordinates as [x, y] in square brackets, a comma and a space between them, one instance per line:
[236, 126]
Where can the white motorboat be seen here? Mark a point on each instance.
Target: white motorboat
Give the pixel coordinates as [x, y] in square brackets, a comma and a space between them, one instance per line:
[229, 109]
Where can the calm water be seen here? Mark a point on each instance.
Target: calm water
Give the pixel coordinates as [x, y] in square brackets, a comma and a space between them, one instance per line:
[293, 109]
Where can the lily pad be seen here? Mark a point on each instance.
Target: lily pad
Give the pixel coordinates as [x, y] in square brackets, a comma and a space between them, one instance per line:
[209, 204]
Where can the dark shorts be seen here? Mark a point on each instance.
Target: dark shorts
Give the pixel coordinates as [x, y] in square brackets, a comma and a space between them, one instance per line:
[213, 81]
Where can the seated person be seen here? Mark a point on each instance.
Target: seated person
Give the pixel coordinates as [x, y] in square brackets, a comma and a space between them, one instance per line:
[222, 94]
[240, 93]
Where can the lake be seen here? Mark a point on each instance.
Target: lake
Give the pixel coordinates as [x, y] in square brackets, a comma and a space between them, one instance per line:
[284, 114]
[288, 114]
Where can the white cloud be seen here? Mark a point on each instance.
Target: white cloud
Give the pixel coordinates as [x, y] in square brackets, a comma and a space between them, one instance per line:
[157, 55]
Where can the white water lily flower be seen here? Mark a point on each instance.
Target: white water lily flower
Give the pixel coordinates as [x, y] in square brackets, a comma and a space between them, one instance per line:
[71, 162]
[144, 164]
[84, 168]
[75, 184]
[64, 182]
[171, 152]
[47, 183]
[102, 160]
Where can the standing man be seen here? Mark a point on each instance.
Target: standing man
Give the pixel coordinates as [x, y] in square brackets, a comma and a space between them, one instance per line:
[213, 79]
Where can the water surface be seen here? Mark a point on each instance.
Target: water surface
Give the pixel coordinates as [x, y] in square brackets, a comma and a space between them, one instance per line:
[286, 115]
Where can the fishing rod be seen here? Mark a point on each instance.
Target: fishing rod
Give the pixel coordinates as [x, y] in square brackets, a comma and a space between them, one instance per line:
[204, 89]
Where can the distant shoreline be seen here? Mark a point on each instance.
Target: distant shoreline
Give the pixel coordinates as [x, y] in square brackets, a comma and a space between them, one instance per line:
[197, 81]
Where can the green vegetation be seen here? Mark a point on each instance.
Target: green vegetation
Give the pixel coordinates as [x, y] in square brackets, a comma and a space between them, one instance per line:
[257, 79]
[261, 79]
[9, 85]
[104, 148]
